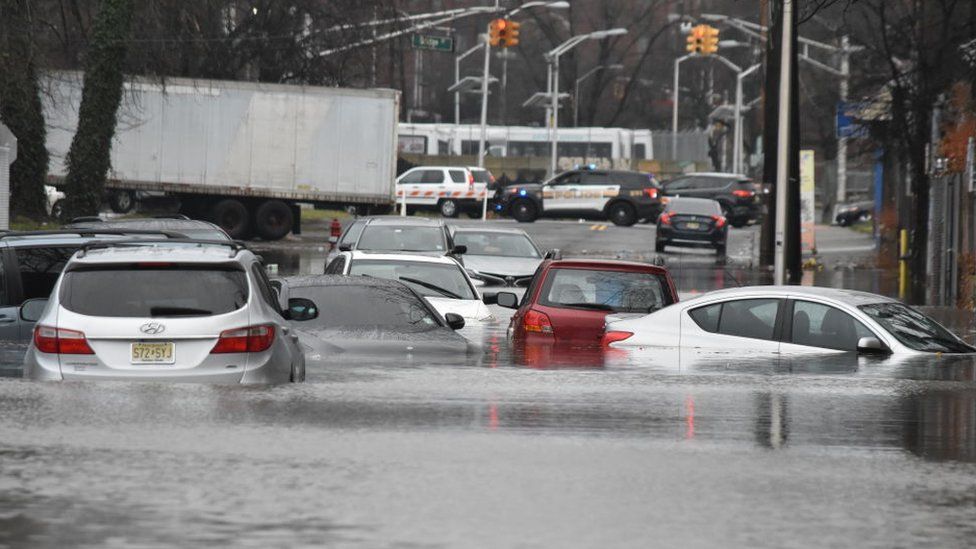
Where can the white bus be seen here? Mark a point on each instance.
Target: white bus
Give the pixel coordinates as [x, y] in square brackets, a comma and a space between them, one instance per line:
[515, 141]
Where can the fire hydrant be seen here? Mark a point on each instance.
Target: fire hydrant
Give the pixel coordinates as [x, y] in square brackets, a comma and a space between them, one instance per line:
[335, 229]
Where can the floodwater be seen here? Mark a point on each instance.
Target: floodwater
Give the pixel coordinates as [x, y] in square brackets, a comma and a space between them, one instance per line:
[542, 449]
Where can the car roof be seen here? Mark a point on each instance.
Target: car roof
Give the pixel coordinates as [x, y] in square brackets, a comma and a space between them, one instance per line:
[145, 223]
[413, 257]
[609, 264]
[689, 201]
[722, 175]
[851, 297]
[66, 237]
[500, 230]
[399, 220]
[175, 252]
[442, 168]
[308, 281]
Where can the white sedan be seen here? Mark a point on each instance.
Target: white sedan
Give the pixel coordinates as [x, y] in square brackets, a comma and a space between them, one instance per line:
[440, 279]
[788, 320]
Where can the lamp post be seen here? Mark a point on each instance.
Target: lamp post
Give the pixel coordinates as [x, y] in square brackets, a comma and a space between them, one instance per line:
[553, 57]
[576, 90]
[457, 78]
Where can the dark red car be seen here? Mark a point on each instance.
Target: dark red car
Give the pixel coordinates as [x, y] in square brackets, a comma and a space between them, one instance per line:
[568, 299]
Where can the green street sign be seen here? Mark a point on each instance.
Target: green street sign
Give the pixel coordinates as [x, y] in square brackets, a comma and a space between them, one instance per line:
[427, 42]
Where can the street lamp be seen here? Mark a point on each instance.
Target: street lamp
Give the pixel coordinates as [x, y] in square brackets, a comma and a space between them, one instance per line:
[559, 4]
[553, 57]
[576, 90]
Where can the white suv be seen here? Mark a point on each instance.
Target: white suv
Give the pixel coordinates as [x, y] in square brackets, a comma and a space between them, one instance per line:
[447, 189]
[164, 311]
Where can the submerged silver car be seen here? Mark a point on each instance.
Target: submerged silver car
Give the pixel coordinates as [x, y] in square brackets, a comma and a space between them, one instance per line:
[786, 320]
[200, 311]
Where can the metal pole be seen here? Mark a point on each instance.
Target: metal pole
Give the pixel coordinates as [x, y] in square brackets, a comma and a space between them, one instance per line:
[484, 105]
[457, 94]
[555, 116]
[845, 73]
[783, 144]
[674, 111]
[737, 135]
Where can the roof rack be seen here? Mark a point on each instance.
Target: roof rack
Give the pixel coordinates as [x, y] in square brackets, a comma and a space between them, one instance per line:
[179, 216]
[93, 232]
[234, 245]
[87, 219]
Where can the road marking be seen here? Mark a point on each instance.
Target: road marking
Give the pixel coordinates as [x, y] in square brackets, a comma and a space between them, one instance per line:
[598, 227]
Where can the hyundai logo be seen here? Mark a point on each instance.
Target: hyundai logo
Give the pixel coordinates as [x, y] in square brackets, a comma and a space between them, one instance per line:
[152, 328]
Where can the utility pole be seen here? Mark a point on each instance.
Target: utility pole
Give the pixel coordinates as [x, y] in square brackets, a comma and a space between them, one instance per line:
[845, 74]
[783, 143]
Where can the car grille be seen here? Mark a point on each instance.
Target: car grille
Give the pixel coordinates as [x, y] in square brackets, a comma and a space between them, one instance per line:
[492, 279]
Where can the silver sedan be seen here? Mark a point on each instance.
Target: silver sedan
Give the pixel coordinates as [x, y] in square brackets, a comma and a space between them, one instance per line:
[789, 320]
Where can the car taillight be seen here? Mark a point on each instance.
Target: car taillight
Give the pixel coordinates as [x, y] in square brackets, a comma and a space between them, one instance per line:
[537, 322]
[719, 221]
[48, 339]
[665, 219]
[650, 192]
[253, 339]
[743, 193]
[613, 337]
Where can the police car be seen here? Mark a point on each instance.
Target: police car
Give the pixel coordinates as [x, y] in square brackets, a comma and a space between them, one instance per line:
[623, 197]
[446, 189]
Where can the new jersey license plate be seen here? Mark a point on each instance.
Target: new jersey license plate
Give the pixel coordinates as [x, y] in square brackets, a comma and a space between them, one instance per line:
[692, 225]
[153, 353]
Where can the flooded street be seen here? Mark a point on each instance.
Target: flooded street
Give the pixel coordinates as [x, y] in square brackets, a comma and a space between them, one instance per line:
[553, 448]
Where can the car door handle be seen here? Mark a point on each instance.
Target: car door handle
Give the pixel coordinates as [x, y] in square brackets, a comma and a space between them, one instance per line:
[4, 319]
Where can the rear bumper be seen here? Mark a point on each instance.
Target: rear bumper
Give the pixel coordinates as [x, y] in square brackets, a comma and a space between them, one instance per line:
[44, 367]
[665, 233]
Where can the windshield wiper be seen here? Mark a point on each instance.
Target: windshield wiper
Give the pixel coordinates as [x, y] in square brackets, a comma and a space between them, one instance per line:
[430, 286]
[177, 311]
[594, 306]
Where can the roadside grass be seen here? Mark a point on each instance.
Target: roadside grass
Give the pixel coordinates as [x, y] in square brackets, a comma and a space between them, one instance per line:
[863, 227]
[20, 223]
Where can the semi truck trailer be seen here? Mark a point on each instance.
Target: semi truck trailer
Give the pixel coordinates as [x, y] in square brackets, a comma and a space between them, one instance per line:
[244, 155]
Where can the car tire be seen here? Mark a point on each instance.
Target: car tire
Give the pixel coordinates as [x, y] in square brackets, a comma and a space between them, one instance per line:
[659, 246]
[232, 216]
[273, 220]
[449, 208]
[524, 211]
[622, 214]
[57, 210]
[122, 202]
[738, 223]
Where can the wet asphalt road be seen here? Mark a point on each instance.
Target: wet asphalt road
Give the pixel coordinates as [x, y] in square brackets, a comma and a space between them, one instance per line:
[531, 451]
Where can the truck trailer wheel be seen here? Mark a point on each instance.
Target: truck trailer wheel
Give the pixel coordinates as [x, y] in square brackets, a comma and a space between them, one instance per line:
[273, 220]
[232, 216]
[121, 201]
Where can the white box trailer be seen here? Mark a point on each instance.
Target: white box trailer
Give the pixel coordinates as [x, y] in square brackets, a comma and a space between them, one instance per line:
[242, 154]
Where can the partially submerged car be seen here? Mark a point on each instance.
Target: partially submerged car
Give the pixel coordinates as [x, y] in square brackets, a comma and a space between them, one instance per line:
[787, 320]
[499, 257]
[357, 316]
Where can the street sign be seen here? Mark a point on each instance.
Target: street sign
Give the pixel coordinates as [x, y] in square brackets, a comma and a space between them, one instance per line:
[847, 125]
[428, 42]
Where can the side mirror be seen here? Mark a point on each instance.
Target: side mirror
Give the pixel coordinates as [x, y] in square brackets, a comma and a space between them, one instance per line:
[301, 309]
[507, 300]
[872, 345]
[459, 249]
[454, 321]
[554, 254]
[489, 299]
[31, 310]
[345, 247]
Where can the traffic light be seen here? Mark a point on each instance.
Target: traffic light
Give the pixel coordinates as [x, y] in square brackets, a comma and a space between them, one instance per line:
[495, 30]
[696, 37]
[510, 34]
[503, 33]
[710, 41]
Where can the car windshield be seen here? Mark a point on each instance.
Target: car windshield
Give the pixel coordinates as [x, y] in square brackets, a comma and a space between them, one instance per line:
[390, 238]
[428, 279]
[690, 206]
[616, 291]
[366, 306]
[154, 292]
[500, 244]
[915, 330]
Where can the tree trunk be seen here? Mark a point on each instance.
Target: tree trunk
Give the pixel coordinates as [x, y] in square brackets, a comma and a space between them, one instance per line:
[89, 157]
[20, 110]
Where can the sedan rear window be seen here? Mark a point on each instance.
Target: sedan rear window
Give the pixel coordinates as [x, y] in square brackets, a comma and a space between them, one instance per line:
[154, 292]
[618, 291]
[363, 307]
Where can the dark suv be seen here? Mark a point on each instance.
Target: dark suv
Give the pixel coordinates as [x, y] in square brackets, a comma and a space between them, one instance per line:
[739, 197]
[619, 196]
